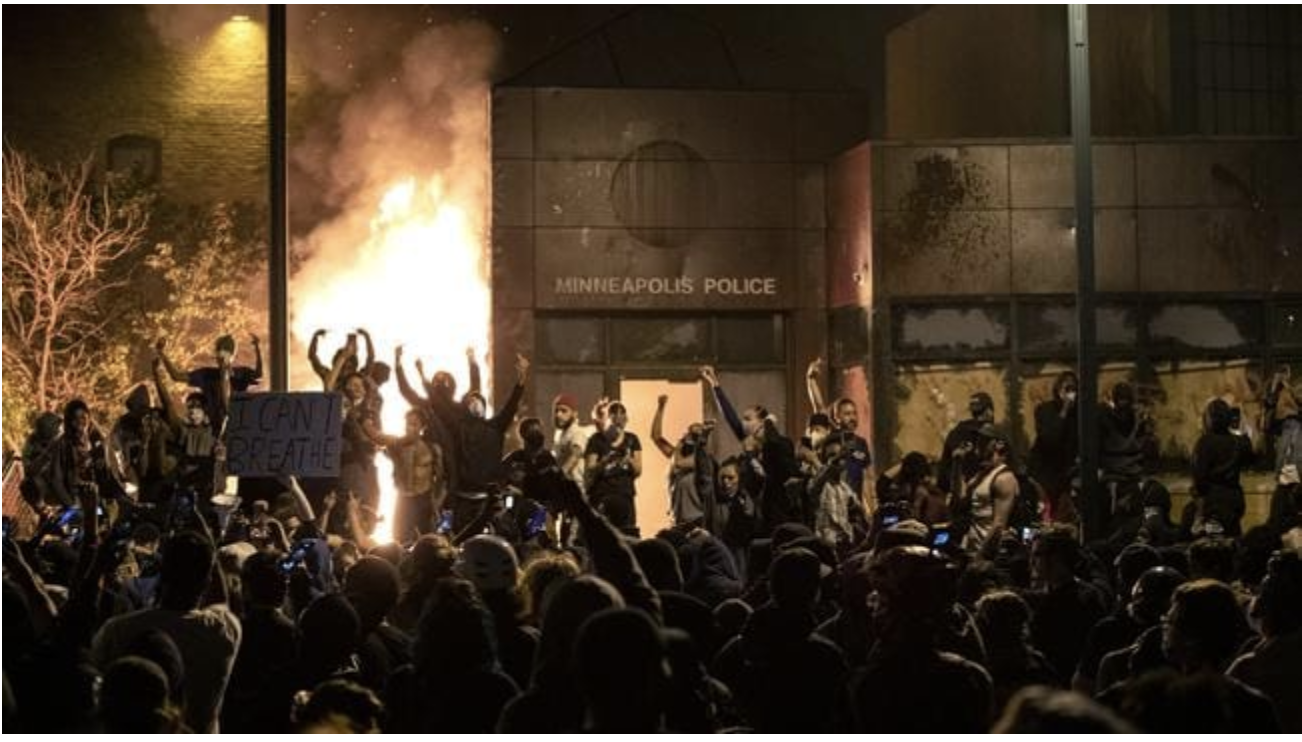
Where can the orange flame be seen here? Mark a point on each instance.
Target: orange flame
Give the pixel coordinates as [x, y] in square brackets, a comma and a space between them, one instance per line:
[419, 279]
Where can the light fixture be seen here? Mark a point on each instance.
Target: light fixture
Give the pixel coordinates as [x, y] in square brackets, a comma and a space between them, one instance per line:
[240, 18]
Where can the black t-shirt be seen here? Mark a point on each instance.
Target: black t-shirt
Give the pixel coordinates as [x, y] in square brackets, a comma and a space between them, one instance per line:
[523, 467]
[614, 480]
[208, 381]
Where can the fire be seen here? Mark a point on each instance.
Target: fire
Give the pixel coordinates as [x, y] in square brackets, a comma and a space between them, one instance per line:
[419, 278]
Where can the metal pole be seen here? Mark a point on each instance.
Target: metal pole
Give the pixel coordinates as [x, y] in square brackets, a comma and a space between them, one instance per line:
[279, 252]
[1087, 412]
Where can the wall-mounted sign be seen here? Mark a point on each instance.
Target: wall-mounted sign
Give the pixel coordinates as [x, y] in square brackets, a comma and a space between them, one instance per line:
[722, 269]
[662, 285]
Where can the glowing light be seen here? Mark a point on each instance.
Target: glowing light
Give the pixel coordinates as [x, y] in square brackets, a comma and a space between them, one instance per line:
[420, 278]
[240, 19]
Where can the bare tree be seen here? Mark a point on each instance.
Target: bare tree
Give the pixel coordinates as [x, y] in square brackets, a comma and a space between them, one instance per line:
[64, 235]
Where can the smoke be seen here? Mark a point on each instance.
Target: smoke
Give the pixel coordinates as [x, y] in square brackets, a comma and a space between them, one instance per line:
[390, 163]
[379, 97]
[415, 105]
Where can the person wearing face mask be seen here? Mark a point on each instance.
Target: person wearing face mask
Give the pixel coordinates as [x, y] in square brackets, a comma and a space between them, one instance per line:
[613, 464]
[137, 444]
[965, 435]
[1053, 454]
[817, 429]
[191, 440]
[478, 441]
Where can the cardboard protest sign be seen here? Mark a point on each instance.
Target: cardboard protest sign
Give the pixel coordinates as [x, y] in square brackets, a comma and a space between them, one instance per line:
[297, 433]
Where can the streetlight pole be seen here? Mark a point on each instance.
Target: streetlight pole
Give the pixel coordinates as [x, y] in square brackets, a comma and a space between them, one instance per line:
[279, 251]
[1087, 410]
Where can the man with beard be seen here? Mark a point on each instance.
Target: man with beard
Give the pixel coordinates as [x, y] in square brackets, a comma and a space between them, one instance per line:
[570, 438]
[844, 414]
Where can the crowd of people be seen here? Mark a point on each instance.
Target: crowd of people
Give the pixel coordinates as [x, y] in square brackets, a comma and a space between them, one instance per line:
[799, 588]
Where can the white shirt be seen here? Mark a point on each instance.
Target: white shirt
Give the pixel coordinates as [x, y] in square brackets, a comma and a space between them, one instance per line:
[572, 439]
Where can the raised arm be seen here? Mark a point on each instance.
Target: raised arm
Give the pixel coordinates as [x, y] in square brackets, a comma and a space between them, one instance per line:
[612, 558]
[600, 416]
[721, 401]
[302, 506]
[404, 387]
[370, 349]
[657, 427]
[170, 412]
[160, 348]
[476, 382]
[257, 357]
[812, 385]
[505, 415]
[340, 362]
[322, 370]
[223, 391]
